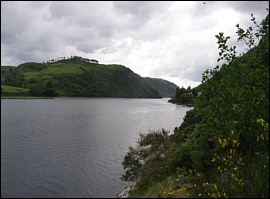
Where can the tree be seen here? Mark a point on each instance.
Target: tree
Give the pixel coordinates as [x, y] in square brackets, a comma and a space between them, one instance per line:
[177, 94]
[49, 90]
[182, 96]
[180, 91]
[194, 92]
[186, 98]
[37, 90]
[188, 89]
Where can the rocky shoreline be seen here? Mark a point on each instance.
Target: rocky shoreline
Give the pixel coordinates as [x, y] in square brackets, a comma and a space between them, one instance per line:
[125, 193]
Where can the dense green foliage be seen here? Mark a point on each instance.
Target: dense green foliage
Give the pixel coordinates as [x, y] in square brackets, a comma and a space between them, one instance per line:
[77, 78]
[233, 136]
[223, 143]
[185, 96]
[164, 87]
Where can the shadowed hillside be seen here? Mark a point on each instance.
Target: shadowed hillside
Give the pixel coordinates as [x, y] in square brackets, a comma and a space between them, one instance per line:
[164, 87]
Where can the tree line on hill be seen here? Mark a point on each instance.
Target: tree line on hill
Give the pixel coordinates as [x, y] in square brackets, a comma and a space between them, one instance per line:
[72, 58]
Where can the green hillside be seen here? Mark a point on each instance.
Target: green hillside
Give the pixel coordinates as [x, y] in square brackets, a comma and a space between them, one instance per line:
[164, 87]
[76, 78]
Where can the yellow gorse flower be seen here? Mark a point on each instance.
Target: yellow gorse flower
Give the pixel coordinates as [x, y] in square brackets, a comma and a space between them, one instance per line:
[220, 141]
[260, 120]
[264, 124]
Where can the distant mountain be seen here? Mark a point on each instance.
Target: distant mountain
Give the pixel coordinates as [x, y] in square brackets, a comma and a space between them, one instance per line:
[76, 77]
[164, 87]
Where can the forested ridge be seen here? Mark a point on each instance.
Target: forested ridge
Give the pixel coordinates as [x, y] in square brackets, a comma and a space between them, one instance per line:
[222, 147]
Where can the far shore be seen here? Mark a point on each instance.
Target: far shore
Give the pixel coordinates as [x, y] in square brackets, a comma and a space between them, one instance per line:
[70, 97]
[27, 97]
[189, 105]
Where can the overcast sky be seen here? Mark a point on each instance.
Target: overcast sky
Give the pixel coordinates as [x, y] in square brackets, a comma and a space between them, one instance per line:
[170, 40]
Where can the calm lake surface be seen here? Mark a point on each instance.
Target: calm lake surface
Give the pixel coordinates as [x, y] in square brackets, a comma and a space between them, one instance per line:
[74, 147]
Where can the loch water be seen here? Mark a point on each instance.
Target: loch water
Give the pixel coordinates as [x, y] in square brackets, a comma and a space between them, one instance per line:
[74, 147]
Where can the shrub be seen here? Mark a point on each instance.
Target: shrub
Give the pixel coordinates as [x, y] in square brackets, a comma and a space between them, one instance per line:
[149, 159]
[181, 158]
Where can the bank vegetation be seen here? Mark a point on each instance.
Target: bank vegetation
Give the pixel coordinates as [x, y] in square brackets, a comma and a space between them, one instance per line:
[222, 147]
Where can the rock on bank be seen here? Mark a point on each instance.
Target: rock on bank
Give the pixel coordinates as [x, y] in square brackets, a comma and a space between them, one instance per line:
[125, 193]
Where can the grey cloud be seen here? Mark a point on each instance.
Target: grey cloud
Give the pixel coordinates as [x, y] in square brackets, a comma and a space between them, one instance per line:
[62, 9]
[33, 45]
[248, 6]
[201, 10]
[183, 70]
[136, 14]
[85, 22]
[124, 46]
[12, 22]
[258, 8]
[141, 9]
[83, 14]
[187, 71]
[244, 7]
[90, 46]
[27, 33]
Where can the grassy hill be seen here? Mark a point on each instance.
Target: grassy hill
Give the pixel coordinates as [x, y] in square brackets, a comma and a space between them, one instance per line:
[76, 78]
[11, 91]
